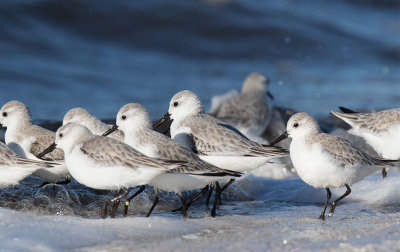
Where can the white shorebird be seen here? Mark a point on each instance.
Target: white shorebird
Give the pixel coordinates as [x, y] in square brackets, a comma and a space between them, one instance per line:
[104, 163]
[325, 161]
[249, 112]
[95, 125]
[13, 168]
[215, 142]
[381, 130]
[135, 122]
[28, 140]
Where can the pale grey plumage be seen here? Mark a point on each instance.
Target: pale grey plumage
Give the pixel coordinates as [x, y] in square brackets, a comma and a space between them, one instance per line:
[250, 111]
[8, 157]
[376, 122]
[344, 151]
[210, 137]
[24, 129]
[159, 145]
[95, 125]
[110, 152]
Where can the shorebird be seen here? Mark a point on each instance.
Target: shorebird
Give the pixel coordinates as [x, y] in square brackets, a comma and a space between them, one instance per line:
[28, 140]
[325, 161]
[250, 111]
[134, 121]
[381, 130]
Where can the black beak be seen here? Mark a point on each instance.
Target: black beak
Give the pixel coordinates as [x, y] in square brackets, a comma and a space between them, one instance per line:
[280, 138]
[160, 122]
[347, 110]
[108, 132]
[270, 95]
[47, 150]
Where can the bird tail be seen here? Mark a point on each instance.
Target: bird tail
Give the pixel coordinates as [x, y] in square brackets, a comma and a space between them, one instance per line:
[347, 110]
[386, 162]
[45, 164]
[347, 117]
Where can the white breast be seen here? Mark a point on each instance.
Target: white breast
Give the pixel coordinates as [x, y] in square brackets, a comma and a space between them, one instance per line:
[22, 148]
[175, 182]
[386, 144]
[94, 175]
[319, 169]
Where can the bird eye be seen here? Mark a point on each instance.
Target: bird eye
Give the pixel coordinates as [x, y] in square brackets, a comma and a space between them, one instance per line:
[175, 104]
[296, 125]
[4, 114]
[61, 135]
[123, 117]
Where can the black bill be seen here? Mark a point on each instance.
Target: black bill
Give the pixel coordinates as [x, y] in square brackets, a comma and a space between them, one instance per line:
[47, 150]
[111, 130]
[280, 138]
[270, 95]
[160, 122]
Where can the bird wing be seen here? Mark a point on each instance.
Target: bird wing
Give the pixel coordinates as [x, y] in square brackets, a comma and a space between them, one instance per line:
[106, 151]
[343, 150]
[43, 139]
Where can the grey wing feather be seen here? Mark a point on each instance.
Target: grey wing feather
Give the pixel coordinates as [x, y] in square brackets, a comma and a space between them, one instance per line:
[246, 110]
[110, 152]
[375, 122]
[211, 137]
[171, 150]
[8, 157]
[344, 151]
[44, 138]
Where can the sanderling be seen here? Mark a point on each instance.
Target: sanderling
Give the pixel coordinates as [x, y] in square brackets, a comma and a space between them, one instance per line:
[104, 163]
[380, 129]
[325, 161]
[14, 168]
[216, 143]
[28, 140]
[135, 122]
[249, 112]
[95, 125]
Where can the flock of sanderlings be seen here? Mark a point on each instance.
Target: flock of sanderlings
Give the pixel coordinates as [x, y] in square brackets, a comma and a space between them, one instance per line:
[203, 152]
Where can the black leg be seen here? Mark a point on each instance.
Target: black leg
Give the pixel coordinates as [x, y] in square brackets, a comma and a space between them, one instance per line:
[384, 173]
[116, 200]
[328, 197]
[104, 207]
[205, 189]
[333, 206]
[128, 200]
[184, 208]
[226, 186]
[156, 199]
[209, 195]
[115, 205]
[216, 199]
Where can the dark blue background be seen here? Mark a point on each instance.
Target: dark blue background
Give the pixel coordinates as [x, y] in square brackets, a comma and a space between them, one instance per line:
[100, 55]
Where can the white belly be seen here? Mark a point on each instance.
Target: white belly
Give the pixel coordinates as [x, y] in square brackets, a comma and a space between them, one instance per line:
[236, 163]
[95, 176]
[53, 174]
[175, 182]
[11, 175]
[386, 144]
[320, 170]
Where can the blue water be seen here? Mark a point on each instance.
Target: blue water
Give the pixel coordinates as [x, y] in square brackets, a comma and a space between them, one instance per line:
[56, 55]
